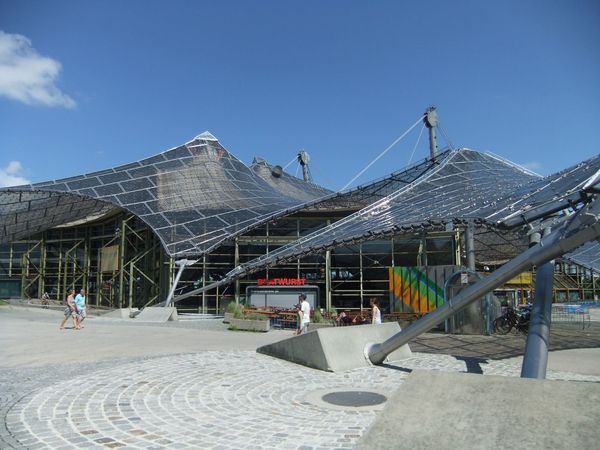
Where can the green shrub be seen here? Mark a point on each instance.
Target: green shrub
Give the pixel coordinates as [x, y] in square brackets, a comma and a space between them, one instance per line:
[255, 316]
[236, 309]
[3, 302]
[317, 316]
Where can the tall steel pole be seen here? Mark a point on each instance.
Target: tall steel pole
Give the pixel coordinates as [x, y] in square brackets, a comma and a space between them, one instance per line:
[182, 263]
[303, 159]
[430, 119]
[470, 245]
[474, 314]
[535, 360]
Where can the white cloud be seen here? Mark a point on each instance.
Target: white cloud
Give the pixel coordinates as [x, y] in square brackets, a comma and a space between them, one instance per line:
[12, 175]
[28, 77]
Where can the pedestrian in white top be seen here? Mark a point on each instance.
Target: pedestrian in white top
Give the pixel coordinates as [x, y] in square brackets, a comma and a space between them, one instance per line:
[375, 312]
[305, 308]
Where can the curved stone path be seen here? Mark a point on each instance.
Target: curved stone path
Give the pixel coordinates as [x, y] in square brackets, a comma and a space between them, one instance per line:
[215, 399]
[205, 400]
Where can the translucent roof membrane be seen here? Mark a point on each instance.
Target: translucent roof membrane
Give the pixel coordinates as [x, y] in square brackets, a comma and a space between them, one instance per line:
[364, 195]
[588, 255]
[287, 184]
[464, 185]
[193, 197]
[23, 213]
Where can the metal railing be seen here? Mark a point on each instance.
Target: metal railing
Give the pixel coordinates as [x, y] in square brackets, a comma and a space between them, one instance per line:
[572, 314]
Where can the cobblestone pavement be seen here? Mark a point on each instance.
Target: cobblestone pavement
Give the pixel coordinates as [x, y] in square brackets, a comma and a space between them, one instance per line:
[220, 400]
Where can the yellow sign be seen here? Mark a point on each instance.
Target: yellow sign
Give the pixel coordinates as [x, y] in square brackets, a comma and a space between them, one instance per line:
[524, 278]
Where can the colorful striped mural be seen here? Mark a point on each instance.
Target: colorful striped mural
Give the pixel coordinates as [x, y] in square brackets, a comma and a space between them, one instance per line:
[418, 289]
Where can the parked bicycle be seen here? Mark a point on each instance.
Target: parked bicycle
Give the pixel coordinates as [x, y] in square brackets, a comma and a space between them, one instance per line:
[517, 319]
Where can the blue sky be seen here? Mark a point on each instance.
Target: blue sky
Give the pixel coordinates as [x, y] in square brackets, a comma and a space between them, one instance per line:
[87, 85]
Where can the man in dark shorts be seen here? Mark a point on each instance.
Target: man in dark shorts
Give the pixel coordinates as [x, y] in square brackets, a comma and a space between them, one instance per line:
[70, 310]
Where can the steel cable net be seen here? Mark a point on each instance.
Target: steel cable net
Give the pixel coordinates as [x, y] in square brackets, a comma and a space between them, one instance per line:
[364, 195]
[463, 185]
[287, 184]
[23, 213]
[193, 197]
[588, 255]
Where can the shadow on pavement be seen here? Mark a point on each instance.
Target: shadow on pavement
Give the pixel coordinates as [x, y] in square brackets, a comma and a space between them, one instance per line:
[562, 337]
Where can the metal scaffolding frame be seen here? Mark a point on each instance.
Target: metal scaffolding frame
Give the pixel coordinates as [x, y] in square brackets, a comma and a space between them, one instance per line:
[56, 261]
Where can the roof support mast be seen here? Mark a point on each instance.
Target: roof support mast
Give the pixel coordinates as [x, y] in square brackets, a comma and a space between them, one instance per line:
[430, 119]
[303, 159]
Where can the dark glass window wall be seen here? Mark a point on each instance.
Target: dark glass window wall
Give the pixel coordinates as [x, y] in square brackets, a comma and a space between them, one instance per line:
[71, 256]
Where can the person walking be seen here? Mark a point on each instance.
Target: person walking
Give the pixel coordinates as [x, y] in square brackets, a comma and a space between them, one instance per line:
[305, 308]
[298, 319]
[70, 311]
[375, 312]
[80, 304]
[45, 301]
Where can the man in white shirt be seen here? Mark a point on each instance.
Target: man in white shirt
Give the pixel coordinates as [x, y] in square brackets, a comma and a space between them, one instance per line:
[305, 308]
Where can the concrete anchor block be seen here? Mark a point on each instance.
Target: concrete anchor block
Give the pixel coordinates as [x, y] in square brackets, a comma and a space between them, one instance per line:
[335, 349]
[158, 314]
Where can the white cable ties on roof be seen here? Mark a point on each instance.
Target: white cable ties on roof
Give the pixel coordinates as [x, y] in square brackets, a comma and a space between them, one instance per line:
[383, 153]
[416, 144]
[288, 164]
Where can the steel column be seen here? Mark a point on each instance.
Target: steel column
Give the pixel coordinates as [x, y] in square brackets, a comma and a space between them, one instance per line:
[470, 245]
[42, 281]
[236, 262]
[360, 269]
[535, 360]
[131, 284]
[174, 286]
[121, 300]
[204, 281]
[328, 280]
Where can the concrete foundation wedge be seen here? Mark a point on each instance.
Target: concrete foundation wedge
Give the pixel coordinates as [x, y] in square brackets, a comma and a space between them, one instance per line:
[121, 313]
[158, 314]
[335, 349]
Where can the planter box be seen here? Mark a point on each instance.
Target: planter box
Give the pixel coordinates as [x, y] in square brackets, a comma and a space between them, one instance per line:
[250, 325]
[315, 326]
[227, 317]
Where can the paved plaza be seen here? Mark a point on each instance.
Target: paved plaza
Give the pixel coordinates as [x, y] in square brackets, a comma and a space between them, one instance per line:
[188, 385]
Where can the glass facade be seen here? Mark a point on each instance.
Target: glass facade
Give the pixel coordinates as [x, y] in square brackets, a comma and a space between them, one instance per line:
[80, 256]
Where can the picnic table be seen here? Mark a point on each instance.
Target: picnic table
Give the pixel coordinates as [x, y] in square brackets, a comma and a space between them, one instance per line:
[409, 317]
[350, 317]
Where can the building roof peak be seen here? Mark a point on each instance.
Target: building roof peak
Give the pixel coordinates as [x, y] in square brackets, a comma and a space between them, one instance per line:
[206, 136]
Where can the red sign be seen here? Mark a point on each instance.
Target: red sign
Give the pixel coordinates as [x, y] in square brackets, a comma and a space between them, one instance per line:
[281, 282]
